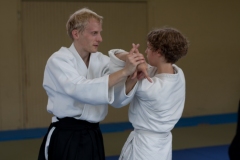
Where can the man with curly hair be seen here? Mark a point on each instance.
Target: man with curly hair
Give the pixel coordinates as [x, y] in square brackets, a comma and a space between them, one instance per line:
[157, 104]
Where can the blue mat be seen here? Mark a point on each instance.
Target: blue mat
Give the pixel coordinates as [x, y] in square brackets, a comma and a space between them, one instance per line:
[205, 153]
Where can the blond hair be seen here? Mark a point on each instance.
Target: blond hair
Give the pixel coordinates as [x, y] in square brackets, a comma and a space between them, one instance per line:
[80, 19]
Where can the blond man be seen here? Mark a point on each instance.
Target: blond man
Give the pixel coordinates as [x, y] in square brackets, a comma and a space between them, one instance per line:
[79, 89]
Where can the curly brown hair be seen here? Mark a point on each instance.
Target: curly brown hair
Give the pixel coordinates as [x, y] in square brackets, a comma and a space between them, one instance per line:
[169, 42]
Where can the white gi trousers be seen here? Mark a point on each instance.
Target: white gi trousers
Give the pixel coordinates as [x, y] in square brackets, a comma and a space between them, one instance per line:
[147, 145]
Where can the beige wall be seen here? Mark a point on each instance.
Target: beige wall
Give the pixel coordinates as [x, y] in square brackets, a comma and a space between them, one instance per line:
[212, 66]
[31, 31]
[11, 106]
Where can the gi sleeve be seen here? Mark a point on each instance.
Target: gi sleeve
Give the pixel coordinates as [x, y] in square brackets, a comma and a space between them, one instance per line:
[62, 76]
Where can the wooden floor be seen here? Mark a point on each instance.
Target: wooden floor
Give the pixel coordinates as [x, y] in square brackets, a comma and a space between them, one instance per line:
[183, 138]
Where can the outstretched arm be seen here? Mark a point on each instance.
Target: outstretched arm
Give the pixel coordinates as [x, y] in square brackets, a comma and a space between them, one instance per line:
[131, 62]
[141, 71]
[130, 83]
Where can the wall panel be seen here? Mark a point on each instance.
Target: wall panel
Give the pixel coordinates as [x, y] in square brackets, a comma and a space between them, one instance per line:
[10, 66]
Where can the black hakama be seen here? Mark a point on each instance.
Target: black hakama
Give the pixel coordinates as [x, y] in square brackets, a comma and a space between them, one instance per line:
[74, 140]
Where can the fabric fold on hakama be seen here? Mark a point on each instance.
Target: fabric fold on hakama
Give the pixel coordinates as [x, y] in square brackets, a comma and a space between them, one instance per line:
[75, 134]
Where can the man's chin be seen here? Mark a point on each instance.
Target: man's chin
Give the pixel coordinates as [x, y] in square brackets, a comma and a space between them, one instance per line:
[94, 50]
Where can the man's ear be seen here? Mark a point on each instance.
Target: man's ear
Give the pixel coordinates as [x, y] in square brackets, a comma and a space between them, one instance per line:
[159, 54]
[75, 34]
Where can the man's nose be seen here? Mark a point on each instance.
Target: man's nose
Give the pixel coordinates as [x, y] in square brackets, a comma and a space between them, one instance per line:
[99, 38]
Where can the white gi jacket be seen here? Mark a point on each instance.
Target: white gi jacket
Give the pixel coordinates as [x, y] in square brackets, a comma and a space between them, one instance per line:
[74, 90]
[77, 91]
[154, 110]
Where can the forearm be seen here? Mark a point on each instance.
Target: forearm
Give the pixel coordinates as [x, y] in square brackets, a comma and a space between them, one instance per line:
[131, 62]
[130, 83]
[122, 56]
[116, 77]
